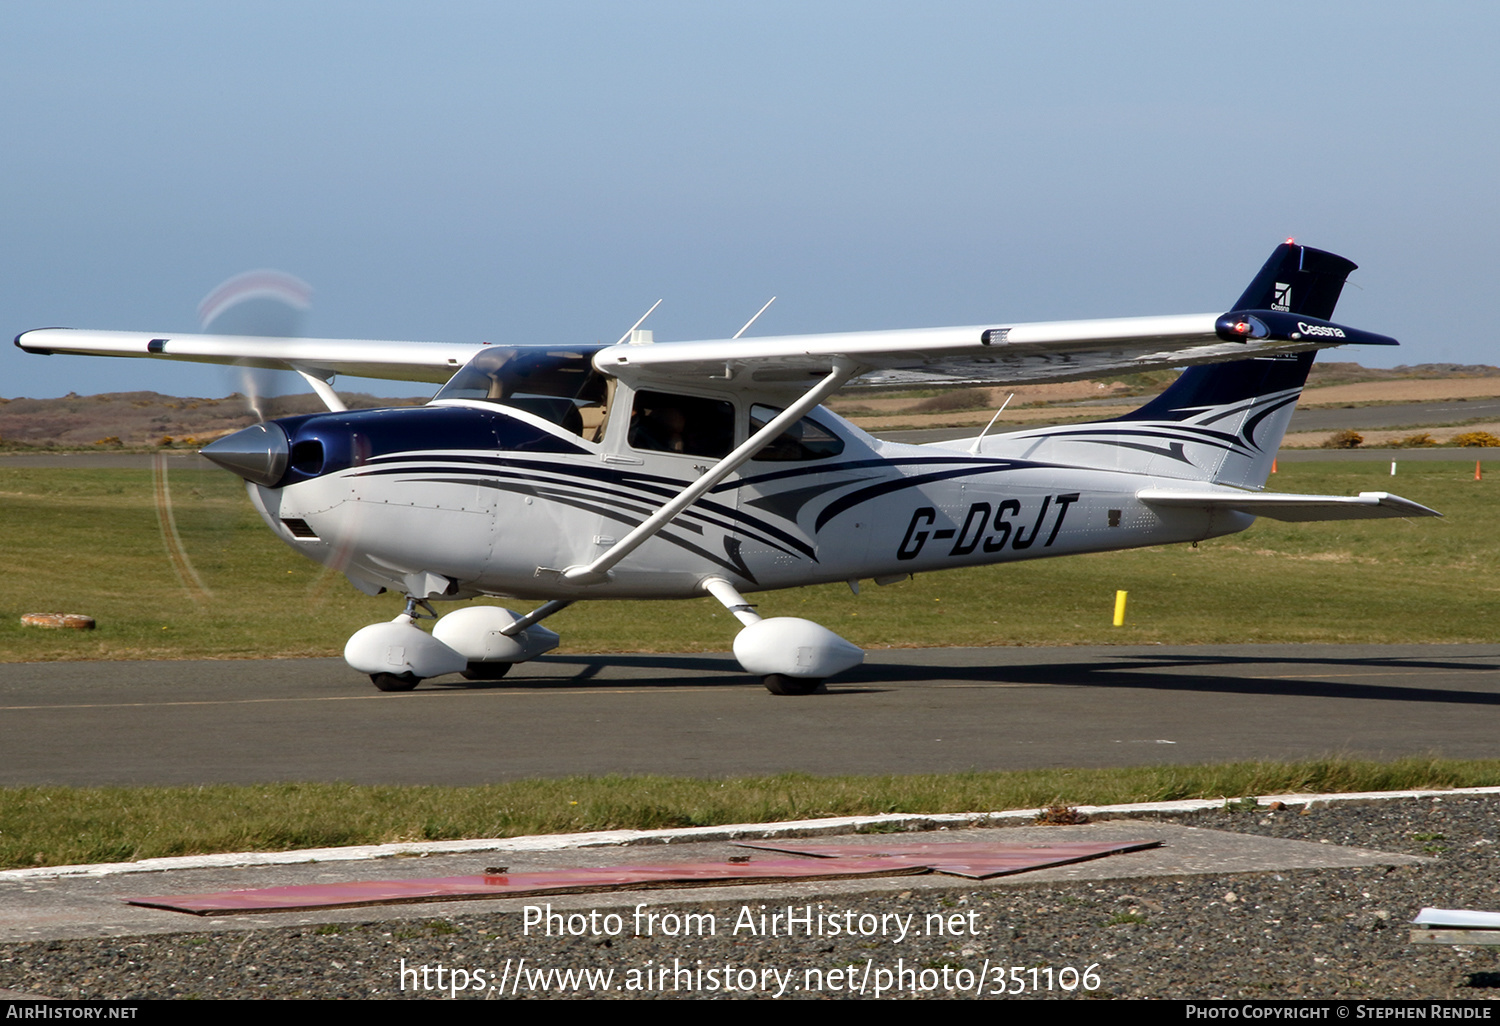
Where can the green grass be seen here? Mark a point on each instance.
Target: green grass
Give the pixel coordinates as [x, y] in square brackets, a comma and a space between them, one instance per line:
[90, 542]
[62, 826]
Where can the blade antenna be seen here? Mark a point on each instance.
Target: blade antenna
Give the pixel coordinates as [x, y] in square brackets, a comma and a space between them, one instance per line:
[975, 447]
[638, 323]
[752, 320]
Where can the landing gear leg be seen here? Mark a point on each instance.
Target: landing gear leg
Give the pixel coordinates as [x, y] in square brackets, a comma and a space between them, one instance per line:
[412, 602]
[792, 656]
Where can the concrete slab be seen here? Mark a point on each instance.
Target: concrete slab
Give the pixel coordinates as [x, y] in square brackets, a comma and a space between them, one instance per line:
[86, 907]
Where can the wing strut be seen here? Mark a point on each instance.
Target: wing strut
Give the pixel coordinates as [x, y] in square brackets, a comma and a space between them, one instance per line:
[598, 571]
[537, 615]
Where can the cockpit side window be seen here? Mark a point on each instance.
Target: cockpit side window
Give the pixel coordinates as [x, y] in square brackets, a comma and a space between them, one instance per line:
[687, 424]
[557, 385]
[804, 440]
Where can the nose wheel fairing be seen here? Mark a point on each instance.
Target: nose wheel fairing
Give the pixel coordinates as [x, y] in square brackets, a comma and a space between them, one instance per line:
[471, 641]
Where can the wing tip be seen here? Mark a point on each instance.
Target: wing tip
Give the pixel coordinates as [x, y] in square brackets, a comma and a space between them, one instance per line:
[35, 349]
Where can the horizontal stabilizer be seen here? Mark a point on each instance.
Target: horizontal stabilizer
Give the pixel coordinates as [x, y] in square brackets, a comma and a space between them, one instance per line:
[1279, 506]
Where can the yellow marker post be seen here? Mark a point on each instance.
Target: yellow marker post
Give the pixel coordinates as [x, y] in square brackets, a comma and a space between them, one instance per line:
[1120, 608]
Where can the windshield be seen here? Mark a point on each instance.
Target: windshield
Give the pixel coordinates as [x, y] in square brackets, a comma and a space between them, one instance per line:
[559, 385]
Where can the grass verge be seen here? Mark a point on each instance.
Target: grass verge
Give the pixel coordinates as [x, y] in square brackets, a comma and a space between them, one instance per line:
[44, 826]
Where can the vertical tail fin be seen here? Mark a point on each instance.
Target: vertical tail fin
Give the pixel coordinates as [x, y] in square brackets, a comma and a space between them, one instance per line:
[1245, 406]
[1225, 420]
[1300, 280]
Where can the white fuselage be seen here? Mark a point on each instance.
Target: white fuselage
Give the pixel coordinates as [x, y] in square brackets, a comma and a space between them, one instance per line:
[507, 523]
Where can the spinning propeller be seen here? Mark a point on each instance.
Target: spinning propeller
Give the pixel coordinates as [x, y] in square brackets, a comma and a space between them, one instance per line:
[267, 304]
[199, 508]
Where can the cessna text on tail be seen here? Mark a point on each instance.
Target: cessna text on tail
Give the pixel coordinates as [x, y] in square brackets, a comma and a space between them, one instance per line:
[549, 475]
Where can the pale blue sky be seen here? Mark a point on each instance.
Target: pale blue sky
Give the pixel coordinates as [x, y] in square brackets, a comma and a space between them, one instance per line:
[543, 173]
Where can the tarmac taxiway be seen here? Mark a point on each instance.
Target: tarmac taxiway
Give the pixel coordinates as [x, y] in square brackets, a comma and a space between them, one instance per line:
[904, 711]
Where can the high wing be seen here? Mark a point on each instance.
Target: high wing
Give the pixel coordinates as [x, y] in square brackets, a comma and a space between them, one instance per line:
[320, 357]
[1282, 311]
[980, 354]
[984, 354]
[1300, 508]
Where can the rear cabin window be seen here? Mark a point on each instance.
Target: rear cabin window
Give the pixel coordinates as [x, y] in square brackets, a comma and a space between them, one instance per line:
[804, 440]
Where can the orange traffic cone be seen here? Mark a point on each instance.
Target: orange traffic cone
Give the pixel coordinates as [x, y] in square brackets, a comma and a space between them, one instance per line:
[1476, 471]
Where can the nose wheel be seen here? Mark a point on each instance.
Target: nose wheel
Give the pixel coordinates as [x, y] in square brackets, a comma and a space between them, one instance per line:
[480, 642]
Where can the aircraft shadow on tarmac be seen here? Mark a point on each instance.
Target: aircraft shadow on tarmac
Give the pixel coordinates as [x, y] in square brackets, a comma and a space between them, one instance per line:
[1253, 676]
[1276, 675]
[593, 671]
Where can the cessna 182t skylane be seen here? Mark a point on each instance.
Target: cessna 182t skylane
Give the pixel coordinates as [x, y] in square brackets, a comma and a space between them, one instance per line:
[550, 474]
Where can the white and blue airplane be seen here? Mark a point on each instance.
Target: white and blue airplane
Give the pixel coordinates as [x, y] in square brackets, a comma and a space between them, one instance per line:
[553, 474]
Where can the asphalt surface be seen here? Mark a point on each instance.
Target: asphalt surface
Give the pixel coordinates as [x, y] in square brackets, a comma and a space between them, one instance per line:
[904, 711]
[1394, 415]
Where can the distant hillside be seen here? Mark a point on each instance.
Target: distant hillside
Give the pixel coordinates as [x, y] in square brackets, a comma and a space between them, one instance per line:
[145, 419]
[1350, 373]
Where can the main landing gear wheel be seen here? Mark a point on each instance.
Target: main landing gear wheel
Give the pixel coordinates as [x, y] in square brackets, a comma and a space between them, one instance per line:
[395, 681]
[781, 684]
[486, 671]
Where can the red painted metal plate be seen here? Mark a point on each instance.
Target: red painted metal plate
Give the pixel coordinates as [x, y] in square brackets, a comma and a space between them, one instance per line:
[977, 859]
[520, 885]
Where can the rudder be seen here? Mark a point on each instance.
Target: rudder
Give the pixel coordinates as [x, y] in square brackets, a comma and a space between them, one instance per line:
[1299, 280]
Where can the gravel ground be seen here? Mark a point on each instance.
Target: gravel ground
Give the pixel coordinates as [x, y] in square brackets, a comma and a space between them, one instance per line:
[1302, 934]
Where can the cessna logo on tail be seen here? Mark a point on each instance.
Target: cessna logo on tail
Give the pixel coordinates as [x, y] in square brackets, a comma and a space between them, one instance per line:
[1320, 329]
[1281, 297]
